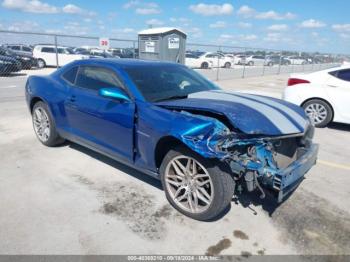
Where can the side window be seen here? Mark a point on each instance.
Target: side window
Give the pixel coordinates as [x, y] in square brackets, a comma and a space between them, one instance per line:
[48, 50]
[15, 47]
[70, 75]
[95, 78]
[344, 75]
[27, 49]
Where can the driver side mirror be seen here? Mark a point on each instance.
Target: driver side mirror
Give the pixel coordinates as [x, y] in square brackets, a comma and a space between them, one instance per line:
[114, 93]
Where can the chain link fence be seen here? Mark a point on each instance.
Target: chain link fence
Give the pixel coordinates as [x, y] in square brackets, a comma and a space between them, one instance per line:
[43, 52]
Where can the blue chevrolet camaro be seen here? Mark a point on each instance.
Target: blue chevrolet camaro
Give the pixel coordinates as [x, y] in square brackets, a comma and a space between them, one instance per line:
[170, 122]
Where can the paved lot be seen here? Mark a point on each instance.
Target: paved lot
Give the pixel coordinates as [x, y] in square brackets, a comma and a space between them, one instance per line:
[70, 200]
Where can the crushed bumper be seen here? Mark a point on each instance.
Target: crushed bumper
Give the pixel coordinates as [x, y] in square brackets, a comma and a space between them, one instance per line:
[286, 180]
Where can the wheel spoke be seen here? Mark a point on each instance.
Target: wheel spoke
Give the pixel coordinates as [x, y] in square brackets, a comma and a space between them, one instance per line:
[201, 197]
[190, 203]
[194, 168]
[176, 177]
[174, 183]
[179, 168]
[202, 183]
[188, 165]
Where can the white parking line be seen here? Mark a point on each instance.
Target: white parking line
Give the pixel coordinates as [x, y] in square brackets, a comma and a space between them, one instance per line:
[12, 86]
[332, 164]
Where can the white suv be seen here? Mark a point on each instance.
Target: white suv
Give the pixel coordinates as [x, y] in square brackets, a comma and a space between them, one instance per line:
[46, 55]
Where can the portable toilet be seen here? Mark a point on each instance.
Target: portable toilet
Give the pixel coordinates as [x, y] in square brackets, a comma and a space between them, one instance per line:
[163, 43]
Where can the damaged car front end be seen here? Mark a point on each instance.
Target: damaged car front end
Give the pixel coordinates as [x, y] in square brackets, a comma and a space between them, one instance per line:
[276, 163]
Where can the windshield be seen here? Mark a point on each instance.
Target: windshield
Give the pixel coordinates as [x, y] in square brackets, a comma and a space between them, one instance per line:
[163, 82]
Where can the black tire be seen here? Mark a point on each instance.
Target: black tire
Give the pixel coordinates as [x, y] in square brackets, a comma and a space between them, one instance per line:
[54, 139]
[251, 63]
[41, 63]
[227, 65]
[204, 65]
[270, 64]
[222, 181]
[328, 108]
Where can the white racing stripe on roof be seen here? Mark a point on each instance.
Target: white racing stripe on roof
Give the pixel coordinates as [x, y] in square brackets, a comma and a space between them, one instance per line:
[298, 118]
[278, 119]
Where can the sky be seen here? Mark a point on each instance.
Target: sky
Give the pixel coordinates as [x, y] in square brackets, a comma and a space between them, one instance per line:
[303, 25]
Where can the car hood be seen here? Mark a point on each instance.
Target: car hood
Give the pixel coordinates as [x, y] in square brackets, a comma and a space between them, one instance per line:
[251, 114]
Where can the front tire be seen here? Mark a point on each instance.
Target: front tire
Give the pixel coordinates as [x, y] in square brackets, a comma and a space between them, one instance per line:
[227, 65]
[251, 63]
[319, 112]
[44, 125]
[41, 63]
[197, 187]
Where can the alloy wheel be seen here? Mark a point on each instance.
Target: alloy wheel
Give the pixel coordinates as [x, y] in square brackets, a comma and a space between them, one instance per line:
[189, 184]
[41, 124]
[316, 112]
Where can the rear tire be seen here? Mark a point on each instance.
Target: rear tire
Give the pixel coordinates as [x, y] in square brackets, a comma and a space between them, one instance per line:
[217, 189]
[44, 125]
[204, 65]
[319, 112]
[227, 65]
[251, 63]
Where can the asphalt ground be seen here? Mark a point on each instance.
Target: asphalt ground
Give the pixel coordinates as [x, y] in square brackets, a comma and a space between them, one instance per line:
[71, 200]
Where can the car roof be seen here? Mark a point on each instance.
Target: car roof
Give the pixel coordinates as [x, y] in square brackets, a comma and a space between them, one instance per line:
[123, 63]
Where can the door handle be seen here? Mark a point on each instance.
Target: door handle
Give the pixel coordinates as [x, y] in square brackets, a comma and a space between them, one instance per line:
[72, 98]
[333, 86]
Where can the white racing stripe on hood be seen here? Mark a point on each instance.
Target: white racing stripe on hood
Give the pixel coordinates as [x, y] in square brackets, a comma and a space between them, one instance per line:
[278, 119]
[298, 118]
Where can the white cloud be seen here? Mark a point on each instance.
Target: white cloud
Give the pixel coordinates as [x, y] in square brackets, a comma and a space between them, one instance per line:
[180, 19]
[72, 9]
[53, 31]
[241, 37]
[212, 9]
[30, 6]
[76, 29]
[249, 37]
[36, 6]
[128, 30]
[147, 11]
[273, 37]
[154, 22]
[24, 26]
[194, 32]
[312, 23]
[244, 25]
[278, 27]
[218, 24]
[274, 15]
[344, 36]
[226, 36]
[341, 27]
[315, 34]
[248, 12]
[143, 8]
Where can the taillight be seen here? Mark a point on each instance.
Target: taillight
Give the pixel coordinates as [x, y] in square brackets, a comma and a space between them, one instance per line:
[295, 81]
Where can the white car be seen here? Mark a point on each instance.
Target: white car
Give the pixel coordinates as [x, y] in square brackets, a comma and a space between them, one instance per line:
[296, 60]
[46, 55]
[324, 95]
[196, 61]
[255, 60]
[239, 59]
[217, 59]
